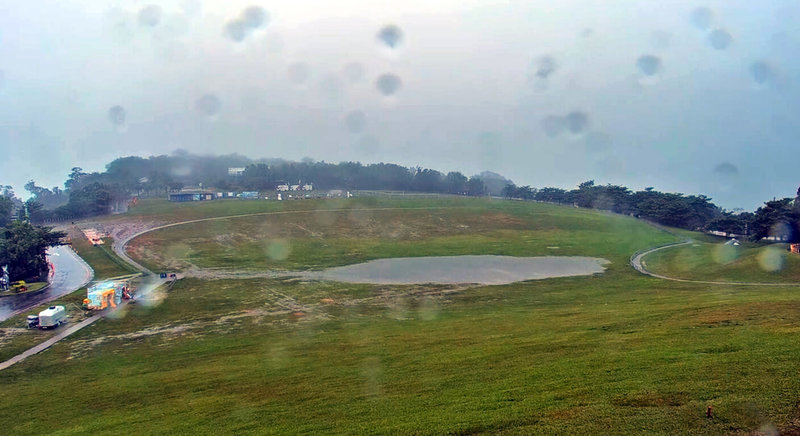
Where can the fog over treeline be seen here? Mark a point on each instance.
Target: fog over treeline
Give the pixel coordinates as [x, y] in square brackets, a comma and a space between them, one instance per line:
[100, 193]
[685, 95]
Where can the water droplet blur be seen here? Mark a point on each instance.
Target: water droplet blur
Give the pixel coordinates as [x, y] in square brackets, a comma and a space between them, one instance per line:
[150, 16]
[390, 35]
[330, 87]
[428, 308]
[701, 17]
[726, 169]
[278, 249]
[398, 308]
[577, 122]
[782, 230]
[545, 66]
[208, 105]
[368, 145]
[661, 39]
[597, 142]
[649, 65]
[299, 73]
[117, 115]
[761, 72]
[121, 25]
[236, 30]
[725, 253]
[355, 121]
[388, 84]
[553, 125]
[371, 373]
[353, 72]
[720, 39]
[725, 175]
[255, 17]
[771, 259]
[192, 8]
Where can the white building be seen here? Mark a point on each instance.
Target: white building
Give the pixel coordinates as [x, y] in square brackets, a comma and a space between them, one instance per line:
[308, 187]
[232, 171]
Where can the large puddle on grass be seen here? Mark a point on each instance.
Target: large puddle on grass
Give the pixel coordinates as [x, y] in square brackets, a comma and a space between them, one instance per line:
[486, 270]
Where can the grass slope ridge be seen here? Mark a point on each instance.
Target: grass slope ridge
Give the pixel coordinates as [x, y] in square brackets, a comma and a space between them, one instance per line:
[616, 353]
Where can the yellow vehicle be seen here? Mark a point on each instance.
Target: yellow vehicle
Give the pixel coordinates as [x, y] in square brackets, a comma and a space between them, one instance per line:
[19, 286]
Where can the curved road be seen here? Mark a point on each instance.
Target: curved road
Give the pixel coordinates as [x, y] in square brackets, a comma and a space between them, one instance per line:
[71, 273]
[638, 263]
[119, 246]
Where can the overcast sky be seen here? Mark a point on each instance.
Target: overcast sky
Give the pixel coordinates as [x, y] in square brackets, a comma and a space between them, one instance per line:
[685, 96]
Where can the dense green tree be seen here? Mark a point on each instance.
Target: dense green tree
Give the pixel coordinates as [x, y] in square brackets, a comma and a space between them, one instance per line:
[23, 247]
[6, 208]
[476, 187]
[427, 180]
[455, 183]
[776, 218]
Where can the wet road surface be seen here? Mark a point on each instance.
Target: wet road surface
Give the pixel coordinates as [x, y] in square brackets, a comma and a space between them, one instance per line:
[71, 273]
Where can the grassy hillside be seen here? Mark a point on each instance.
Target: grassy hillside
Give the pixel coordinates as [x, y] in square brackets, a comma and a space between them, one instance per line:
[716, 261]
[319, 235]
[101, 258]
[618, 353]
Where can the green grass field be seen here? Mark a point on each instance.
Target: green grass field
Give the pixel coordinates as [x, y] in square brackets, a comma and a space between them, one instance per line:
[718, 262]
[100, 257]
[617, 353]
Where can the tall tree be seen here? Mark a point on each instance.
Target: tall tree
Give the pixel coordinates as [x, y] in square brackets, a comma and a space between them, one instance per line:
[23, 247]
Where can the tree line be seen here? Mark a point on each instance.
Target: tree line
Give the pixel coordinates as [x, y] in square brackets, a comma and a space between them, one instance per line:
[778, 218]
[98, 193]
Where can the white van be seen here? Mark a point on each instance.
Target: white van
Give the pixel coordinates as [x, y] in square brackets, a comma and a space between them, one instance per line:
[52, 317]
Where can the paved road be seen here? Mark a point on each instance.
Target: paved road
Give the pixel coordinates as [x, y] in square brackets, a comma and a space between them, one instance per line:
[71, 273]
[119, 246]
[638, 263]
[66, 331]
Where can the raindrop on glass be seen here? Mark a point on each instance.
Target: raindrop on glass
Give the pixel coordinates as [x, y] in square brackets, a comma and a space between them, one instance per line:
[660, 39]
[720, 39]
[236, 30]
[191, 8]
[553, 125]
[576, 122]
[150, 16]
[331, 87]
[255, 17]
[597, 142]
[368, 145]
[726, 169]
[649, 65]
[545, 66]
[208, 105]
[390, 35]
[702, 17]
[761, 72]
[116, 114]
[771, 259]
[299, 73]
[388, 84]
[355, 121]
[353, 72]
